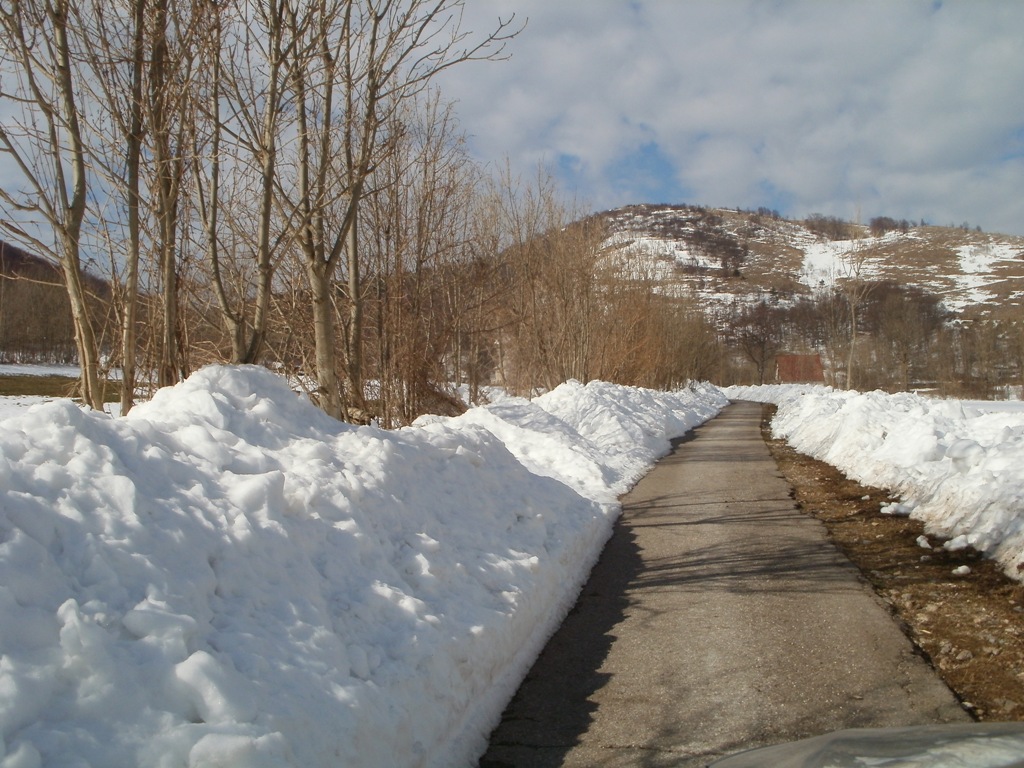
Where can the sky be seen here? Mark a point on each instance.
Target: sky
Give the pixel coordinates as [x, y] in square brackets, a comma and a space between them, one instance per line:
[902, 108]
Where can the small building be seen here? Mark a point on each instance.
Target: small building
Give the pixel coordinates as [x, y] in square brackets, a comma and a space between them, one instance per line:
[799, 369]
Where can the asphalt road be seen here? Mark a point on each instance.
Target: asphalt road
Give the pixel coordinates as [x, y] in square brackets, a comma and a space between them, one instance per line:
[718, 619]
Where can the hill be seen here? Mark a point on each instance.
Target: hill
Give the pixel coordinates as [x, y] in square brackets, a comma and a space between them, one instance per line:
[17, 262]
[725, 256]
[35, 316]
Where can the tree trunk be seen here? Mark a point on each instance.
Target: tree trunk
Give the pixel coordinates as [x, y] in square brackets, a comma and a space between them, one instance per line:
[329, 391]
[129, 318]
[74, 213]
[853, 343]
[85, 339]
[354, 340]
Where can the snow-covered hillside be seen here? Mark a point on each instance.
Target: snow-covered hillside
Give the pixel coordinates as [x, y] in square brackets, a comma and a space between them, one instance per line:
[728, 257]
[227, 577]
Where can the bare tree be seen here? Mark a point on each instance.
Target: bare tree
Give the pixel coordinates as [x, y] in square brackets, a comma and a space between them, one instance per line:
[47, 146]
[757, 331]
[141, 62]
[1016, 333]
[550, 274]
[176, 35]
[113, 38]
[356, 62]
[236, 165]
[905, 322]
[574, 306]
[234, 131]
[856, 288]
[417, 243]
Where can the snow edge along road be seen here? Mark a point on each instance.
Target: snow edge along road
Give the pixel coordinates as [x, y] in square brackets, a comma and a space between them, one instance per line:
[954, 465]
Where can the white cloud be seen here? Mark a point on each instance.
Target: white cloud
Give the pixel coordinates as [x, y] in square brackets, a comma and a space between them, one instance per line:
[905, 108]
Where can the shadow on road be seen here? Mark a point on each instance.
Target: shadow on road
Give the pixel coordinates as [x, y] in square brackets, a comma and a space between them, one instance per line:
[552, 708]
[798, 566]
[717, 618]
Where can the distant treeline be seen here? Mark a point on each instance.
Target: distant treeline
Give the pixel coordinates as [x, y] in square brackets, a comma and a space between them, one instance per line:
[835, 228]
[35, 316]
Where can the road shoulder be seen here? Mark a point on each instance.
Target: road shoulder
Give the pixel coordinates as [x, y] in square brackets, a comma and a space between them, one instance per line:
[969, 627]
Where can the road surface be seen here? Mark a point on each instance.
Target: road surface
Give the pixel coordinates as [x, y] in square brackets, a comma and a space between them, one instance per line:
[719, 618]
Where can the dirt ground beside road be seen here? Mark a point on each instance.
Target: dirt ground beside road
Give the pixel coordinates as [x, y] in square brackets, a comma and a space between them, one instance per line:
[970, 627]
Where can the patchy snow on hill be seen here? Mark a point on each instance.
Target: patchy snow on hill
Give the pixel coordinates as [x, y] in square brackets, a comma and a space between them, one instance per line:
[829, 261]
[227, 577]
[645, 257]
[978, 265]
[955, 465]
[973, 273]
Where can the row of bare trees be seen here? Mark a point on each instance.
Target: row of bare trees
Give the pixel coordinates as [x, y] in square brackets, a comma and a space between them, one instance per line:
[576, 309]
[193, 142]
[883, 335]
[277, 182]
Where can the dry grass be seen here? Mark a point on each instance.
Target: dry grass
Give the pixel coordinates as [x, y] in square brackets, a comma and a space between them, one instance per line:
[44, 386]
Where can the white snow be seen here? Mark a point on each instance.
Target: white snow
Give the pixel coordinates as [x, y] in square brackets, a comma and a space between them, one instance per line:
[981, 259]
[227, 577]
[12, 406]
[978, 267]
[955, 465]
[652, 258]
[15, 369]
[826, 261]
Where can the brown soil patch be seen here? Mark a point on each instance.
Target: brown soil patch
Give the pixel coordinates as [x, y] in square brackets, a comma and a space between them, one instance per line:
[970, 627]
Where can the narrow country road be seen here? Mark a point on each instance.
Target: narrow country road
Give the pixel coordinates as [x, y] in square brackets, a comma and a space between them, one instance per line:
[719, 618]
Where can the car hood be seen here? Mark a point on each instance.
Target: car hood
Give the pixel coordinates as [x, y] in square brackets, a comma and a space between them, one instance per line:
[970, 745]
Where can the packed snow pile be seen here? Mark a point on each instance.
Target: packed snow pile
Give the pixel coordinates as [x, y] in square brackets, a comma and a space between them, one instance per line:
[955, 465]
[227, 577]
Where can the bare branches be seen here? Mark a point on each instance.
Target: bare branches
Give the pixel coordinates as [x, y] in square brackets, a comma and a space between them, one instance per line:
[200, 145]
[52, 158]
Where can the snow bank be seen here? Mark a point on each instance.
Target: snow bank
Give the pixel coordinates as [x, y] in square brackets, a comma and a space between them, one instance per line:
[16, 369]
[956, 465]
[227, 577]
